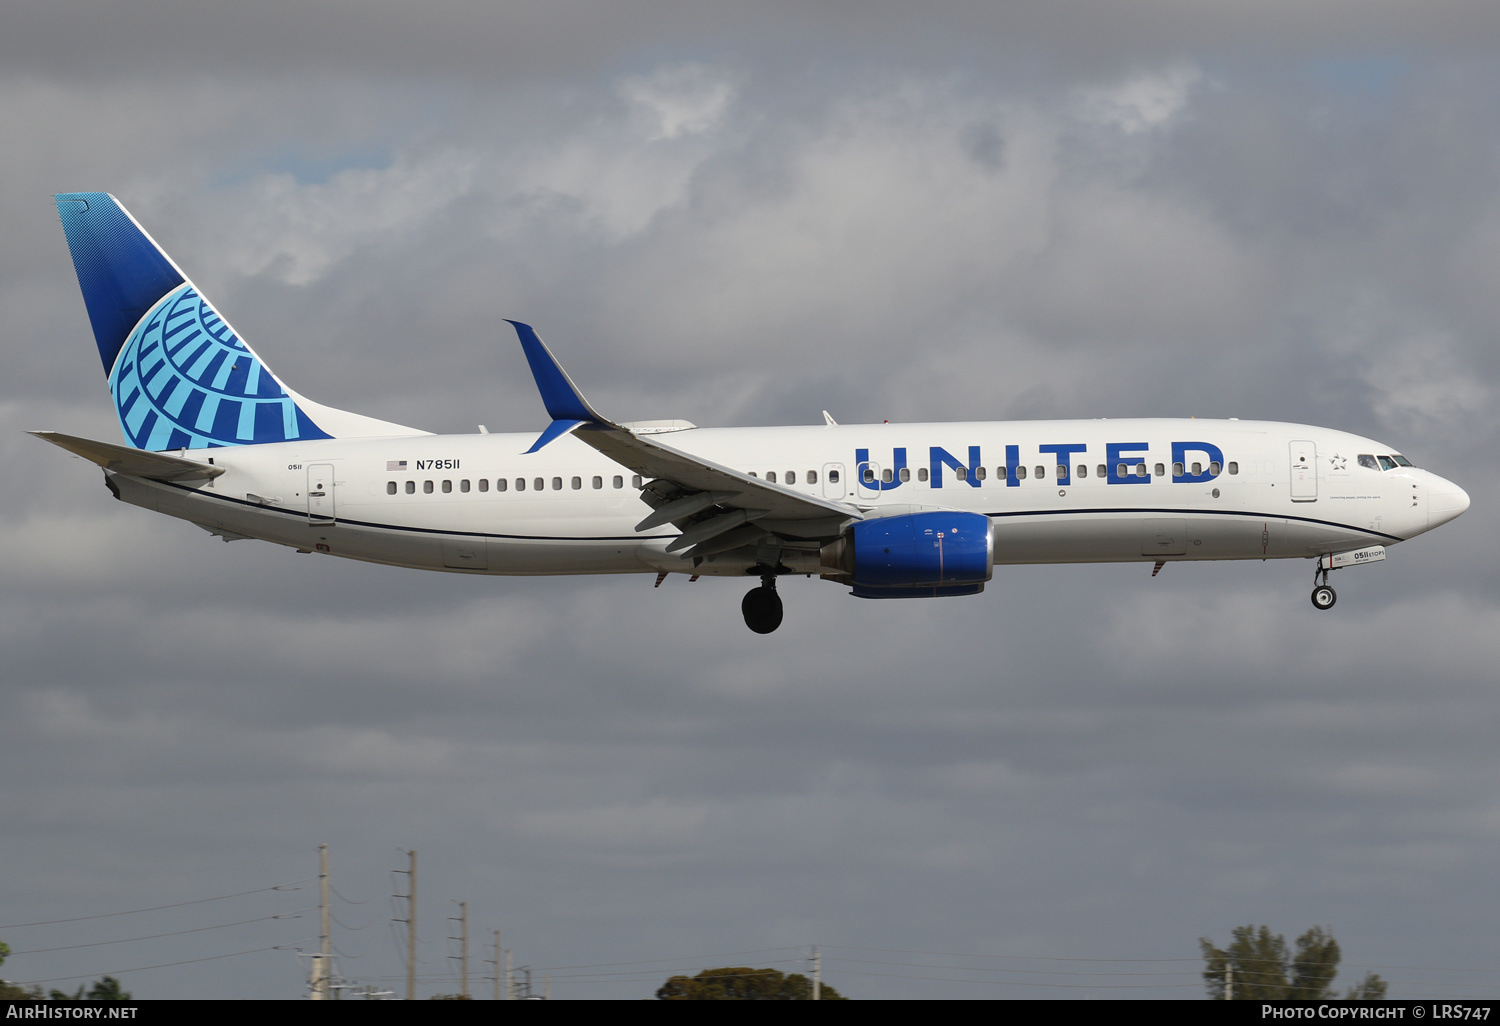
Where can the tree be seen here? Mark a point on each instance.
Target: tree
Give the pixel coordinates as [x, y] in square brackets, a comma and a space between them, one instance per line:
[104, 989]
[1258, 967]
[741, 983]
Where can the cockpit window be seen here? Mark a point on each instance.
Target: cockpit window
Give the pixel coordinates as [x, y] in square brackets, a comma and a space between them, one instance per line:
[1386, 463]
[1366, 460]
[1401, 461]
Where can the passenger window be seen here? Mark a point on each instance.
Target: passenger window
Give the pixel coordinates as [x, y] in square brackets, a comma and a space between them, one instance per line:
[1020, 473]
[411, 487]
[887, 476]
[484, 484]
[1177, 469]
[752, 473]
[791, 477]
[447, 486]
[961, 473]
[427, 487]
[979, 472]
[520, 484]
[771, 476]
[557, 484]
[1386, 463]
[635, 481]
[501, 484]
[463, 485]
[1197, 470]
[538, 484]
[1083, 470]
[921, 473]
[1161, 471]
[1104, 470]
[390, 488]
[1366, 460]
[1140, 470]
[812, 477]
[598, 481]
[1213, 468]
[868, 475]
[833, 477]
[577, 483]
[1041, 473]
[619, 481]
[1234, 468]
[1121, 470]
[1062, 471]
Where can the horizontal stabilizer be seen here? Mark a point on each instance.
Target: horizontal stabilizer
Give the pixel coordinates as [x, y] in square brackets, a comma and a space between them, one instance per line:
[121, 459]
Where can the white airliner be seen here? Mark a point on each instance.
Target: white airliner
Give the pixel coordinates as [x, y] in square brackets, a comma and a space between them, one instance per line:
[889, 510]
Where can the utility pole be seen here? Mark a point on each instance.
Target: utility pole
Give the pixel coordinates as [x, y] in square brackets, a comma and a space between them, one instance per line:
[817, 975]
[510, 988]
[411, 927]
[463, 948]
[323, 961]
[497, 965]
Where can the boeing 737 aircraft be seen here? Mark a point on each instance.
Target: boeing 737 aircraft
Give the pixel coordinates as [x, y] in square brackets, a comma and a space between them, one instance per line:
[889, 510]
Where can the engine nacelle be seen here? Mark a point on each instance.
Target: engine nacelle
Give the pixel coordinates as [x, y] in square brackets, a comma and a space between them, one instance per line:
[953, 553]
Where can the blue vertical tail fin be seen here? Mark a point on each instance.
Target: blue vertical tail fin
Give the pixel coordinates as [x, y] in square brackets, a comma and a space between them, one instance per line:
[180, 376]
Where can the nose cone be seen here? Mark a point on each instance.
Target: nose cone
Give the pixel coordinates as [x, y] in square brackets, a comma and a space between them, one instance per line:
[1445, 500]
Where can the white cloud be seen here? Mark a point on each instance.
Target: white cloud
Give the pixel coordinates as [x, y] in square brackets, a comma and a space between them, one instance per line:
[683, 100]
[1146, 101]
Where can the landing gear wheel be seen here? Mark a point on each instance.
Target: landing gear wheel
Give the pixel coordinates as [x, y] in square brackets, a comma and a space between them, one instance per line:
[762, 609]
[1323, 597]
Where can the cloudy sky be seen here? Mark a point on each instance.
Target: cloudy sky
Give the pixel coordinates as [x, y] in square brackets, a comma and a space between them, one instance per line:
[745, 214]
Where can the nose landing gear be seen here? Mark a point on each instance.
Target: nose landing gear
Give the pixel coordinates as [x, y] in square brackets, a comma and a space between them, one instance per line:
[1323, 597]
[762, 606]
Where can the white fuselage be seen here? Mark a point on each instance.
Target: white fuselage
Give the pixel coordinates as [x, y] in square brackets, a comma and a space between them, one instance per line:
[436, 502]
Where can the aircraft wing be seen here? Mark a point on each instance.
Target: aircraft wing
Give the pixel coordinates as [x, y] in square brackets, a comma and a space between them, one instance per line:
[121, 459]
[716, 507]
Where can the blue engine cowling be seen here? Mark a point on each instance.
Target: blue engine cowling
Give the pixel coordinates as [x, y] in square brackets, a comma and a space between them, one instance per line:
[919, 554]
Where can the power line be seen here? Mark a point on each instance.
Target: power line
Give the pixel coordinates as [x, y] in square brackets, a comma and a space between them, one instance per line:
[155, 936]
[155, 908]
[1043, 972]
[162, 965]
[675, 959]
[1027, 983]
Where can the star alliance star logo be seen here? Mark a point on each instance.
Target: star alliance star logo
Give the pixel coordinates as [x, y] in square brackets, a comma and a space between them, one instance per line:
[1337, 462]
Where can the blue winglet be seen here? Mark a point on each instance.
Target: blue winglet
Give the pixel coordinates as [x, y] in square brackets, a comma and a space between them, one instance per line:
[559, 394]
[556, 428]
[565, 404]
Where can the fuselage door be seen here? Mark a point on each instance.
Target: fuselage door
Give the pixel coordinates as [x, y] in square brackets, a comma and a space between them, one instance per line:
[1304, 456]
[867, 480]
[320, 508]
[833, 480]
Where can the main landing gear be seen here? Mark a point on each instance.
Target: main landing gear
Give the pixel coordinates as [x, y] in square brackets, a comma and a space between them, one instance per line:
[762, 606]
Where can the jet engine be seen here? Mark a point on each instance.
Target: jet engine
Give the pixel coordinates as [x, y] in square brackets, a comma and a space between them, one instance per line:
[915, 554]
